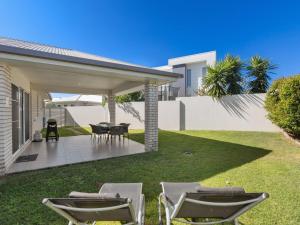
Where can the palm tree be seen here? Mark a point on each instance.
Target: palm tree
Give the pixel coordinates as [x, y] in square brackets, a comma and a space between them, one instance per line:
[233, 75]
[258, 71]
[214, 82]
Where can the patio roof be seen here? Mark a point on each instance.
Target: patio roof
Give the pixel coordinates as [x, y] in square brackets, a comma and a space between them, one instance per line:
[56, 69]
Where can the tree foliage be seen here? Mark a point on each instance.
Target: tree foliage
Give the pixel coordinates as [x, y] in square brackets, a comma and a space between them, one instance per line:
[258, 71]
[132, 97]
[224, 78]
[283, 104]
[214, 81]
[233, 75]
[227, 77]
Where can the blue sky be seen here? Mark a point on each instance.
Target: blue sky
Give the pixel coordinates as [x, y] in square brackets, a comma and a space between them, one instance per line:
[150, 32]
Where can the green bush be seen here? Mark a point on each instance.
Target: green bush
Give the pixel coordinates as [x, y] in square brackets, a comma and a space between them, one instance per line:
[283, 104]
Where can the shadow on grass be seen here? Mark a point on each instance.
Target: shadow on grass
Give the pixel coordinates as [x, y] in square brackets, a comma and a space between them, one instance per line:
[23, 193]
[186, 158]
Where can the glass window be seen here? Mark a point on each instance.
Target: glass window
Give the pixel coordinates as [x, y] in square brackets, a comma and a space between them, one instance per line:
[204, 71]
[26, 116]
[189, 78]
[21, 126]
[20, 117]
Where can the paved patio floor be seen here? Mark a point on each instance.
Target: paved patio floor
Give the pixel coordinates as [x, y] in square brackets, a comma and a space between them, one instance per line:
[75, 149]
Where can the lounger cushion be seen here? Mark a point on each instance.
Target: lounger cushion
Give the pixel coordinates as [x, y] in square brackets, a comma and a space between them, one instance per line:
[222, 190]
[76, 194]
[132, 191]
[192, 210]
[173, 190]
[85, 217]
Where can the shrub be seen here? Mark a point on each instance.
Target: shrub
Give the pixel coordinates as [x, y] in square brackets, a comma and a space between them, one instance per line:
[283, 104]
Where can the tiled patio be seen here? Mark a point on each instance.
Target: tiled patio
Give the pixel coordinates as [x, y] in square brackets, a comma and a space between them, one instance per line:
[75, 149]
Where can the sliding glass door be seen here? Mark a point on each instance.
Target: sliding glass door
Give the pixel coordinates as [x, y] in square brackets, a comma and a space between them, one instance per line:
[15, 117]
[20, 117]
[26, 116]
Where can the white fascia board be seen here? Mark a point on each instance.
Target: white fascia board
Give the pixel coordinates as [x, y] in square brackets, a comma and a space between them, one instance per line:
[32, 61]
[208, 57]
[164, 68]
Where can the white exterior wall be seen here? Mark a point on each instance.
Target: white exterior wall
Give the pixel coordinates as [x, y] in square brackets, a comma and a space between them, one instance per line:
[196, 77]
[36, 99]
[19, 79]
[194, 62]
[37, 111]
[5, 118]
[180, 82]
[9, 76]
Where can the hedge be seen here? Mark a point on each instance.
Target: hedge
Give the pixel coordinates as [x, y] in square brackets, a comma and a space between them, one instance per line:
[283, 104]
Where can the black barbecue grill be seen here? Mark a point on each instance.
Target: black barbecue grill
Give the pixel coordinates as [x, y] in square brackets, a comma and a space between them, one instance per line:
[52, 132]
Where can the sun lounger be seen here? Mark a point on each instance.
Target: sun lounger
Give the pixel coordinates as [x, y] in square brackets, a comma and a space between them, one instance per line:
[188, 202]
[115, 202]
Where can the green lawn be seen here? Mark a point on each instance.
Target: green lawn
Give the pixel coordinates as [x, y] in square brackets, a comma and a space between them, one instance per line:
[255, 160]
[70, 131]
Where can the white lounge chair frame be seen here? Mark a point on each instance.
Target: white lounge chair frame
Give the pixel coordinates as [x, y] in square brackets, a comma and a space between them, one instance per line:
[234, 218]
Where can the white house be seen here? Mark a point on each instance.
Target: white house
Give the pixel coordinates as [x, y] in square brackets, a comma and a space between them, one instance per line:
[193, 68]
[29, 71]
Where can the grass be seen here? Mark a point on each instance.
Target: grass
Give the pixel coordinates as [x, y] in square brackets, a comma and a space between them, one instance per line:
[70, 131]
[255, 160]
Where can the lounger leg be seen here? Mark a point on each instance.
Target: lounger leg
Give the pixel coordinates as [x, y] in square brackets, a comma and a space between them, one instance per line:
[168, 216]
[168, 220]
[236, 221]
[143, 211]
[159, 210]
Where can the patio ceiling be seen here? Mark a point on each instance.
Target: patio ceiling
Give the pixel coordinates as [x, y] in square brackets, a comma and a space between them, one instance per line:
[54, 69]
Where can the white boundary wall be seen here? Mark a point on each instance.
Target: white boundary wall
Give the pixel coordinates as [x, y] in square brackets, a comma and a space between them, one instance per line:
[238, 112]
[131, 112]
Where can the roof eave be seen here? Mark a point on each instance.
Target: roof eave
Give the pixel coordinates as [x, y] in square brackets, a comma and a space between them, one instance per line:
[72, 59]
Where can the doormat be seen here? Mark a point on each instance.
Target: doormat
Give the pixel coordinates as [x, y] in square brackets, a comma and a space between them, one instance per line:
[26, 158]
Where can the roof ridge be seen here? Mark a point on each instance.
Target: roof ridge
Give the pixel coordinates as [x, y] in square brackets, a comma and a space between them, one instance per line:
[35, 42]
[70, 50]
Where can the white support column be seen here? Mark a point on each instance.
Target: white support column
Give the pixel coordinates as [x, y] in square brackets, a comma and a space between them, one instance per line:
[151, 117]
[5, 118]
[111, 107]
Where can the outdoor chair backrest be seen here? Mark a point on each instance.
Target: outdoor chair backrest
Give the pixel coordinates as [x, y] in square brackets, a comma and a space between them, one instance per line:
[126, 126]
[87, 210]
[101, 129]
[117, 130]
[203, 205]
[93, 127]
